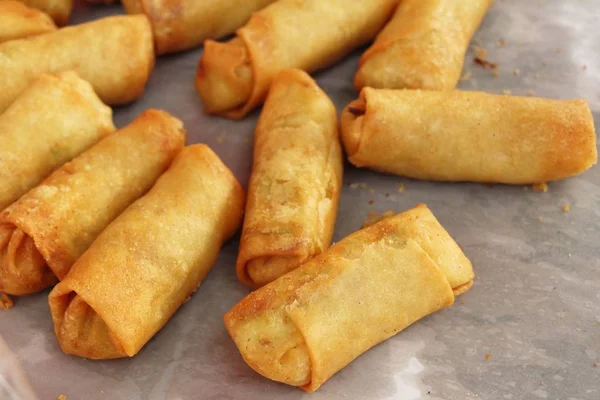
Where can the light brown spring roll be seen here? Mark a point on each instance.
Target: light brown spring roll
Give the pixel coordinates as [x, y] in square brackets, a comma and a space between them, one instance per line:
[469, 136]
[296, 181]
[144, 266]
[52, 121]
[46, 230]
[19, 21]
[183, 24]
[423, 46]
[309, 324]
[233, 77]
[58, 10]
[114, 54]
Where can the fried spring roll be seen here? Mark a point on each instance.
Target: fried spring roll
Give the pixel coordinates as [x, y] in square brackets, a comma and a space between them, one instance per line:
[52, 121]
[183, 24]
[296, 181]
[469, 136]
[46, 230]
[114, 54]
[234, 77]
[423, 46]
[18, 21]
[58, 10]
[309, 324]
[142, 268]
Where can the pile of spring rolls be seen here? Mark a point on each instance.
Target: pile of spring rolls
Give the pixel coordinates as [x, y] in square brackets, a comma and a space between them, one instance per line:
[125, 224]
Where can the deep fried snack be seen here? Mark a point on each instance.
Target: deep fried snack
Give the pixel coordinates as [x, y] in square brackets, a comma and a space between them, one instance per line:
[144, 266]
[307, 325]
[423, 46]
[19, 21]
[114, 54]
[296, 181]
[469, 136]
[233, 77]
[46, 230]
[53, 120]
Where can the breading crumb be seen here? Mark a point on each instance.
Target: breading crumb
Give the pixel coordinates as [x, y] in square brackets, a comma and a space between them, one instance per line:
[507, 92]
[495, 72]
[558, 51]
[371, 202]
[372, 191]
[517, 72]
[566, 207]
[501, 42]
[220, 139]
[531, 92]
[466, 76]
[595, 364]
[540, 187]
[525, 188]
[374, 218]
[401, 188]
[488, 356]
[540, 218]
[5, 301]
[358, 185]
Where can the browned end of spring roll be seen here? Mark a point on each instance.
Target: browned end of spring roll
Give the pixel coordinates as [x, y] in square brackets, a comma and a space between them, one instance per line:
[234, 77]
[423, 46]
[58, 10]
[56, 118]
[307, 325]
[19, 21]
[46, 230]
[469, 136]
[147, 262]
[114, 54]
[296, 181]
[183, 24]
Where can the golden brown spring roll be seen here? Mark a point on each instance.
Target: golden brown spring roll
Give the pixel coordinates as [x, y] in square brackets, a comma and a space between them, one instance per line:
[46, 230]
[234, 77]
[183, 24]
[307, 325]
[296, 181]
[19, 21]
[144, 266]
[58, 10]
[469, 136]
[423, 46]
[114, 54]
[52, 121]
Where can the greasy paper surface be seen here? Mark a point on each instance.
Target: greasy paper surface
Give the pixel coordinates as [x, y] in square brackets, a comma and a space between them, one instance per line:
[534, 305]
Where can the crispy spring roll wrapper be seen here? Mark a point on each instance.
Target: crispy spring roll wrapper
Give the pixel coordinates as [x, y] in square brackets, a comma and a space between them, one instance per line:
[296, 181]
[58, 10]
[423, 46]
[469, 136]
[114, 54]
[183, 24]
[234, 77]
[139, 271]
[46, 230]
[52, 121]
[307, 325]
[18, 21]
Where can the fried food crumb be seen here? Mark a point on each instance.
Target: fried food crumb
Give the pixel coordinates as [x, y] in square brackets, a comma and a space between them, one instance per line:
[540, 218]
[583, 67]
[5, 301]
[501, 42]
[517, 72]
[372, 191]
[531, 92]
[358, 185]
[558, 51]
[566, 208]
[371, 202]
[495, 72]
[466, 76]
[525, 188]
[401, 188]
[61, 397]
[374, 218]
[595, 364]
[220, 139]
[507, 92]
[488, 356]
[540, 187]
